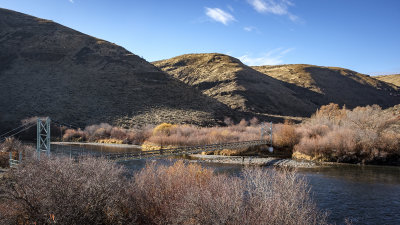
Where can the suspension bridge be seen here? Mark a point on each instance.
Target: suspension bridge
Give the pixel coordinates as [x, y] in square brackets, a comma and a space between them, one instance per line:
[44, 145]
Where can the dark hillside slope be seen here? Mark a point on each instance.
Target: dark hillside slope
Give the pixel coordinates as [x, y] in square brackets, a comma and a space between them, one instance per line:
[322, 85]
[47, 69]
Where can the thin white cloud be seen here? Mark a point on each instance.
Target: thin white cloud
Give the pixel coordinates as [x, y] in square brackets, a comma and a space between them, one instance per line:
[277, 7]
[249, 28]
[272, 57]
[220, 15]
[72, 1]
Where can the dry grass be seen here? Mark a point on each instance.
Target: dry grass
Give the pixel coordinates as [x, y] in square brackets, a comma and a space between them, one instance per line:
[322, 85]
[115, 86]
[234, 84]
[392, 79]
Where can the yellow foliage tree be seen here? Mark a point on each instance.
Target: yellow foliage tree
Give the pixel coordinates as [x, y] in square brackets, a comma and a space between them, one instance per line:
[164, 128]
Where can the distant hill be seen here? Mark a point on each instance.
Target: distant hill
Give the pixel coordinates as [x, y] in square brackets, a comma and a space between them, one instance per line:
[293, 90]
[47, 69]
[238, 86]
[392, 79]
[323, 85]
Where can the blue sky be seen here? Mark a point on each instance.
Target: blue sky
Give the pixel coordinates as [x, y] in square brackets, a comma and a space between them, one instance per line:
[362, 35]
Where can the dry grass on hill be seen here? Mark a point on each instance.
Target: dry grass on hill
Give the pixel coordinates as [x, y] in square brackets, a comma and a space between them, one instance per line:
[236, 85]
[392, 79]
[323, 85]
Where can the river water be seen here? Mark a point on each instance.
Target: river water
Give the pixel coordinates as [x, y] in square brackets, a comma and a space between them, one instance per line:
[362, 194]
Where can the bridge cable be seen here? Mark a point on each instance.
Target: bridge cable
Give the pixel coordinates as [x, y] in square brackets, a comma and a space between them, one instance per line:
[23, 125]
[3, 139]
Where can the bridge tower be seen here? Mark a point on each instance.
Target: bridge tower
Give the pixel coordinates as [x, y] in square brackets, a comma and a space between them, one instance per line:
[43, 136]
[267, 130]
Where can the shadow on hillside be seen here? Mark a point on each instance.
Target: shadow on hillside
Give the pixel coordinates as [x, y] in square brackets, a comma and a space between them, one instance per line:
[345, 90]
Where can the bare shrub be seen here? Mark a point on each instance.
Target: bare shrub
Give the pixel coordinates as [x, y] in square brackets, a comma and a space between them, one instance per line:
[75, 135]
[285, 135]
[364, 134]
[95, 191]
[59, 190]
[254, 122]
[279, 197]
[182, 135]
[189, 194]
[228, 121]
[160, 189]
[13, 146]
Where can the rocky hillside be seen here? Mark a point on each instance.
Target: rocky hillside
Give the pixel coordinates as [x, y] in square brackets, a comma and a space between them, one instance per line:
[295, 90]
[392, 79]
[47, 69]
[238, 86]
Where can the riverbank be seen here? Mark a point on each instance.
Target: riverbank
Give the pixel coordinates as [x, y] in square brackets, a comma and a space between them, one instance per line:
[98, 144]
[255, 161]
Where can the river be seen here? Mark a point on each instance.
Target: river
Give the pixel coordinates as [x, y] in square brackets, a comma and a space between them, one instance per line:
[362, 194]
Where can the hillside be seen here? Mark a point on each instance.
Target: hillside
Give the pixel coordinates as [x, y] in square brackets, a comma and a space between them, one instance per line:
[323, 85]
[292, 90]
[392, 79]
[47, 69]
[238, 86]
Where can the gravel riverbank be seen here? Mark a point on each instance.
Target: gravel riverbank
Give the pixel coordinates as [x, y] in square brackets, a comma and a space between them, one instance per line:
[257, 161]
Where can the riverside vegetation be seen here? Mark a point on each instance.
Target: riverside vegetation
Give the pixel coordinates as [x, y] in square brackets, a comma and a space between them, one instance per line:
[96, 191]
[64, 191]
[363, 135]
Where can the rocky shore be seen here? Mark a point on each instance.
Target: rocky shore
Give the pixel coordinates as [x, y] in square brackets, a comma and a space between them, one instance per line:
[256, 161]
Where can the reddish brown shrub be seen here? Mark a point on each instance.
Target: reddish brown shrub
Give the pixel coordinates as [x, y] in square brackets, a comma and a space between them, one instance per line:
[189, 194]
[75, 135]
[364, 134]
[94, 191]
[285, 135]
[60, 190]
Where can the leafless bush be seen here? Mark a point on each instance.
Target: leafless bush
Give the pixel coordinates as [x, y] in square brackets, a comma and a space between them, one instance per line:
[74, 135]
[279, 197]
[285, 135]
[191, 135]
[94, 191]
[59, 190]
[13, 146]
[190, 194]
[364, 134]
